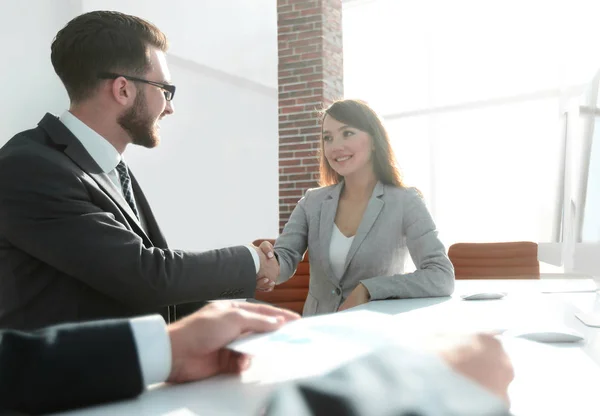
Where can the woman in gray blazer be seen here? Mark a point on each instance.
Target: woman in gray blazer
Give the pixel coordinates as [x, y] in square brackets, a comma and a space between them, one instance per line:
[359, 224]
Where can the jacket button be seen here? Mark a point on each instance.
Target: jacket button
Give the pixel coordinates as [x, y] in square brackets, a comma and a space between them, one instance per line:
[338, 291]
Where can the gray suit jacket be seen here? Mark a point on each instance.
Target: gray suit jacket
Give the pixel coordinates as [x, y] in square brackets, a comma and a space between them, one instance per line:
[71, 250]
[396, 219]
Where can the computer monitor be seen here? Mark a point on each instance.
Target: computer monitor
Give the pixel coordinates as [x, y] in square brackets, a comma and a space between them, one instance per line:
[580, 187]
[589, 220]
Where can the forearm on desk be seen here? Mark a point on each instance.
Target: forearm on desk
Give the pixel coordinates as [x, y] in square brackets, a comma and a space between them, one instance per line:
[418, 284]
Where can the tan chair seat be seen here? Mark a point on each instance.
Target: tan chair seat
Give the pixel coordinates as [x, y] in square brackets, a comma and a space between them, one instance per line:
[510, 260]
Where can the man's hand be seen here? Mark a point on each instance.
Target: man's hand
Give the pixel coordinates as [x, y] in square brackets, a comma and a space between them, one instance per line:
[269, 267]
[198, 341]
[358, 296]
[481, 358]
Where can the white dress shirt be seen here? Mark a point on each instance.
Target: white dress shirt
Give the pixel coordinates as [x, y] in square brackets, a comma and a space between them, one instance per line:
[103, 153]
[338, 251]
[153, 347]
[150, 333]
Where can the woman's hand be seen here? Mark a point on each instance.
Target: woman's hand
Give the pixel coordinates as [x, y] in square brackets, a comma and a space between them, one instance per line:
[358, 296]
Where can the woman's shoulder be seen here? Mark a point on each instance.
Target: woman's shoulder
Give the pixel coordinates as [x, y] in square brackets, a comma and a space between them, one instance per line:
[402, 193]
[320, 193]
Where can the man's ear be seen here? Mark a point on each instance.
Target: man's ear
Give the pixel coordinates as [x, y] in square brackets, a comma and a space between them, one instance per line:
[122, 90]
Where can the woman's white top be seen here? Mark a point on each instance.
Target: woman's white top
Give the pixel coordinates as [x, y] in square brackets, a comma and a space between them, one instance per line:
[338, 251]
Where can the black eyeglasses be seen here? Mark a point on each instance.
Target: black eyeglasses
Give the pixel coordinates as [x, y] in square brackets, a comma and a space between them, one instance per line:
[168, 89]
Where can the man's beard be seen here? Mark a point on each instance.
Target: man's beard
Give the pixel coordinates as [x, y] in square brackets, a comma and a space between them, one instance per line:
[139, 124]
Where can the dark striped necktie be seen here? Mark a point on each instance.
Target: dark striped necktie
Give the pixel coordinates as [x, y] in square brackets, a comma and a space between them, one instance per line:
[125, 179]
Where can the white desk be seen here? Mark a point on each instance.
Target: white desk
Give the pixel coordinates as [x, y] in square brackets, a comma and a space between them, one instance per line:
[550, 379]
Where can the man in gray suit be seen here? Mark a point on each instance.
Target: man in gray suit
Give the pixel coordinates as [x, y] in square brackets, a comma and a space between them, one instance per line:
[78, 240]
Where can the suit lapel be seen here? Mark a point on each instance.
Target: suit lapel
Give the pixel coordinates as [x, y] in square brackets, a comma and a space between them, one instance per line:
[372, 211]
[60, 134]
[154, 231]
[327, 218]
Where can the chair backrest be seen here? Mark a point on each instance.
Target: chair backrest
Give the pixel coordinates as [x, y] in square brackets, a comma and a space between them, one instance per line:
[291, 294]
[510, 260]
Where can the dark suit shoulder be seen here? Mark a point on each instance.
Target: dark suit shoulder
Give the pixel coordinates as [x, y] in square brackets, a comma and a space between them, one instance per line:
[33, 138]
[32, 154]
[32, 142]
[33, 175]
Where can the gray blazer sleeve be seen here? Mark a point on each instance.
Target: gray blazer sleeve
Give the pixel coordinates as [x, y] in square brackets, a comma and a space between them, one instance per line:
[389, 382]
[434, 275]
[293, 241]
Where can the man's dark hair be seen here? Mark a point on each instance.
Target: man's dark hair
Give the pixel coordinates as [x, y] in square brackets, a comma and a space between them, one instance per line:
[102, 41]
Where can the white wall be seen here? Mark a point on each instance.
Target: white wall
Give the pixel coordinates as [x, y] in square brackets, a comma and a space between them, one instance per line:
[213, 180]
[238, 37]
[30, 86]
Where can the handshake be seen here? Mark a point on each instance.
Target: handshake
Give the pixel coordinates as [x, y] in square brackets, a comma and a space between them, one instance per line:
[269, 267]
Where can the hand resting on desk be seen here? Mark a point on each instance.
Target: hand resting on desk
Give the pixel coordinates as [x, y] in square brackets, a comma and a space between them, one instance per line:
[458, 376]
[74, 365]
[198, 341]
[358, 296]
[481, 358]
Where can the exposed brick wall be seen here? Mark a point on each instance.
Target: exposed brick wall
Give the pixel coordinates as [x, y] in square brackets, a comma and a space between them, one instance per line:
[310, 78]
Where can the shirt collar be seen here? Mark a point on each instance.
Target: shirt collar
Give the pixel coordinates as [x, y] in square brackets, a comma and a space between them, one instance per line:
[100, 149]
